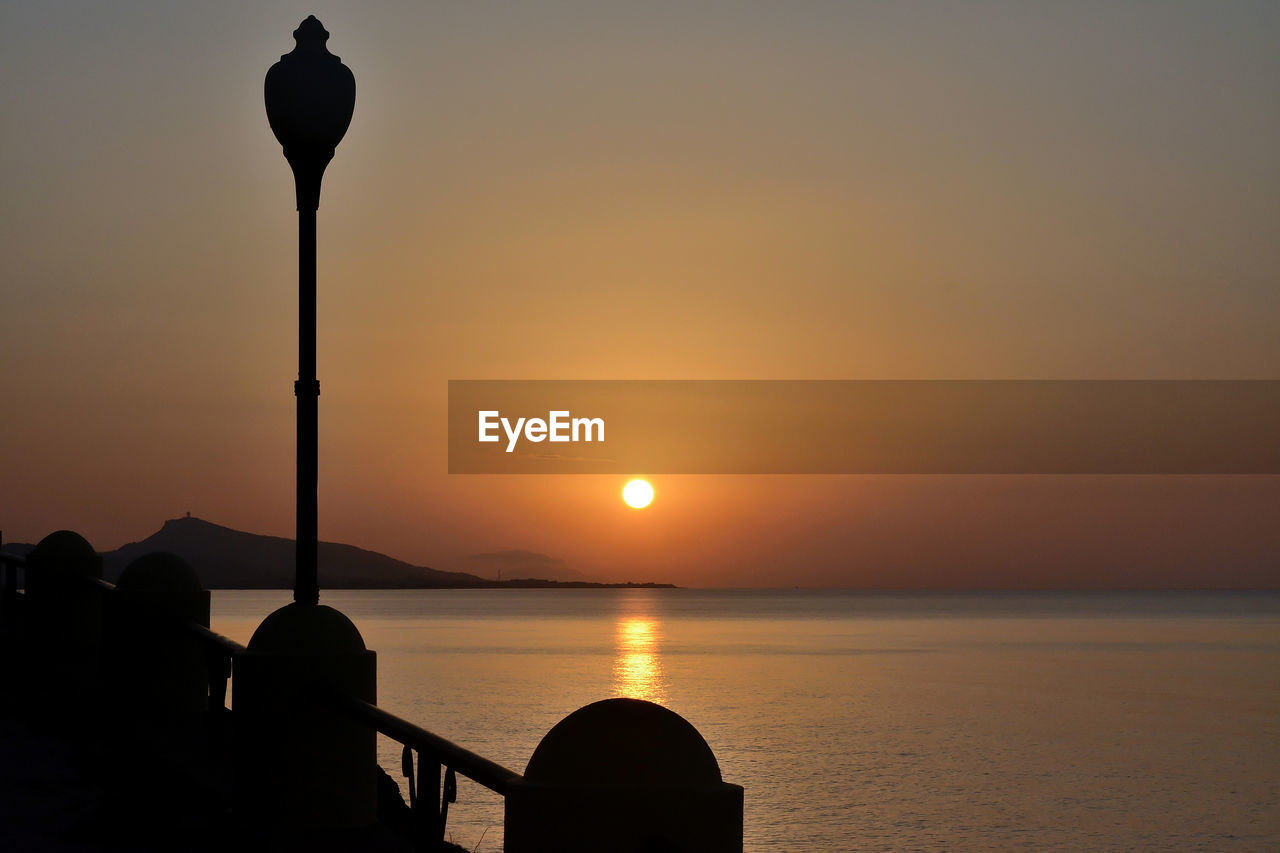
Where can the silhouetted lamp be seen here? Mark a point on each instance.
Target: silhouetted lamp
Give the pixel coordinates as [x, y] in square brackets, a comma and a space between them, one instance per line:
[310, 96]
[297, 763]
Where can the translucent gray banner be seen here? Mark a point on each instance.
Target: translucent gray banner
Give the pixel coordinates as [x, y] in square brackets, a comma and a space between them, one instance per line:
[864, 427]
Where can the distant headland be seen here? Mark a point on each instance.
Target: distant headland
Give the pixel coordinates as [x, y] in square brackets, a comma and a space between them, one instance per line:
[226, 558]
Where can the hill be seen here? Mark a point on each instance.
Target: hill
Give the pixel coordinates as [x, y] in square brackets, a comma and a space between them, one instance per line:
[232, 559]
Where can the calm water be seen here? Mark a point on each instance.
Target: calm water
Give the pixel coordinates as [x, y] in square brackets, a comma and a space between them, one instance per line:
[869, 721]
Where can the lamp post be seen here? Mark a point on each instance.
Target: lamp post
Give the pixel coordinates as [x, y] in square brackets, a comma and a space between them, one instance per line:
[310, 96]
[299, 767]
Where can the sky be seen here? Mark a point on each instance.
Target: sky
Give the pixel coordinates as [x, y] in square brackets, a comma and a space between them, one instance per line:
[573, 190]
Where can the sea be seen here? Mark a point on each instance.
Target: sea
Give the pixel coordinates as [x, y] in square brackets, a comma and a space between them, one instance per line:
[868, 721]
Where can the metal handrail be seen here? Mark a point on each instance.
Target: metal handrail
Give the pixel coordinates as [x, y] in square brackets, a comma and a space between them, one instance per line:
[481, 770]
[213, 638]
[203, 634]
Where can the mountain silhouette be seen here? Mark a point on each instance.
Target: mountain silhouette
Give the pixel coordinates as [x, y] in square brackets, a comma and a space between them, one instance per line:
[232, 559]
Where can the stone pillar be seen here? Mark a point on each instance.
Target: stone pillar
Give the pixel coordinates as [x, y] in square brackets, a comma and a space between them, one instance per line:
[626, 776]
[156, 668]
[62, 648]
[301, 767]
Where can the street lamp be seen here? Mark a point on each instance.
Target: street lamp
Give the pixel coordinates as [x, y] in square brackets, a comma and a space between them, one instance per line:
[298, 766]
[310, 96]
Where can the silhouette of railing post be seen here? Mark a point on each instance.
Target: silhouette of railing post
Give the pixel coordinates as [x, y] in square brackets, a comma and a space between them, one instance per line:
[156, 671]
[626, 776]
[156, 687]
[62, 642]
[301, 765]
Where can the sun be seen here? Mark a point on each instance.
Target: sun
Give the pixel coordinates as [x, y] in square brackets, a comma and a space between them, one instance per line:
[637, 494]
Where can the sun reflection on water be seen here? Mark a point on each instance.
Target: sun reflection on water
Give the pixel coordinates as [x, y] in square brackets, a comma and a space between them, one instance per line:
[637, 664]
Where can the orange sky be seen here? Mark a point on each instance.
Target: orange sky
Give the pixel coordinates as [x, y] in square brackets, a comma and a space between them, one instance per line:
[613, 191]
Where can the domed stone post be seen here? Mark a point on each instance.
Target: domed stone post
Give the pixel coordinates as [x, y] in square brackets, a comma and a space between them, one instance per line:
[627, 776]
[63, 642]
[156, 688]
[301, 767]
[157, 670]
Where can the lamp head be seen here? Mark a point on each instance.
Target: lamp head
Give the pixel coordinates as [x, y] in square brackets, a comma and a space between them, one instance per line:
[310, 97]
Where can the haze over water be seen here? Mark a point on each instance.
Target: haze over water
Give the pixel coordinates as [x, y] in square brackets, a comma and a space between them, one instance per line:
[869, 721]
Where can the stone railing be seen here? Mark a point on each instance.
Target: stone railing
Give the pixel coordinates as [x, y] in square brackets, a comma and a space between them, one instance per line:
[134, 668]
